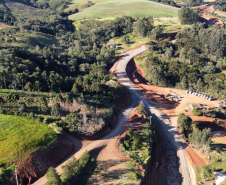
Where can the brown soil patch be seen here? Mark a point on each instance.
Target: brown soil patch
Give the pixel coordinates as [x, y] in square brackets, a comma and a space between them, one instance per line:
[36, 165]
[194, 158]
[219, 137]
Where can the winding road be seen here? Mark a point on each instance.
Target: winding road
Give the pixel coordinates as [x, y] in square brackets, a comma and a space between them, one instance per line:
[171, 137]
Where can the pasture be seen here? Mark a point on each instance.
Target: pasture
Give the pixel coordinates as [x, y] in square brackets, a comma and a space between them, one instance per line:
[111, 9]
[20, 137]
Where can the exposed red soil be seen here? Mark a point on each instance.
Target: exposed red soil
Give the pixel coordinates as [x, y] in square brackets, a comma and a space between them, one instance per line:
[207, 9]
[157, 97]
[37, 164]
[194, 158]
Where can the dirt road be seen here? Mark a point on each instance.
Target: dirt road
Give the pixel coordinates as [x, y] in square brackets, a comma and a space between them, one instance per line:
[171, 137]
[113, 135]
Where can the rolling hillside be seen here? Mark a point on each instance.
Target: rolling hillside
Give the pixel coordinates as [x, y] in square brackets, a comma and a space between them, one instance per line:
[117, 8]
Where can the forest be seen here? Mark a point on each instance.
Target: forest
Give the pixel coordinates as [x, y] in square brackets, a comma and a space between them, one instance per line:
[68, 76]
[196, 61]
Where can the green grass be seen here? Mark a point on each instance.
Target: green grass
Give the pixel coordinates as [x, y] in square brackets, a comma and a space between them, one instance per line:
[169, 24]
[134, 42]
[30, 136]
[33, 39]
[117, 8]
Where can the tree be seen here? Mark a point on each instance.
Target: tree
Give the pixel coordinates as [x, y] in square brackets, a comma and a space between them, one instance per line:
[75, 88]
[1, 102]
[23, 107]
[144, 26]
[42, 104]
[59, 98]
[67, 99]
[52, 177]
[140, 108]
[37, 85]
[28, 87]
[189, 15]
[184, 123]
[55, 109]
[4, 76]
[199, 85]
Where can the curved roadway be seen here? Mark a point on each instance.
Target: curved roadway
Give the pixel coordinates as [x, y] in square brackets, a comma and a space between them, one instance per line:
[171, 138]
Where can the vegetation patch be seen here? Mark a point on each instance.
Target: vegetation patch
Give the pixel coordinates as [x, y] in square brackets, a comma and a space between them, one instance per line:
[138, 141]
[21, 137]
[20, 10]
[71, 171]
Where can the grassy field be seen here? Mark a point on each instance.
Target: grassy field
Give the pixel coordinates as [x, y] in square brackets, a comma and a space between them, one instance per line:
[23, 11]
[217, 162]
[4, 26]
[34, 39]
[29, 135]
[117, 8]
[134, 42]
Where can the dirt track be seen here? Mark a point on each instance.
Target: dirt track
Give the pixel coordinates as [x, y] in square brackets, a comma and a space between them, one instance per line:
[210, 19]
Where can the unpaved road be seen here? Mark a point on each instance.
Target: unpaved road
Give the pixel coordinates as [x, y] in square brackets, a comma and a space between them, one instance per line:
[171, 137]
[113, 135]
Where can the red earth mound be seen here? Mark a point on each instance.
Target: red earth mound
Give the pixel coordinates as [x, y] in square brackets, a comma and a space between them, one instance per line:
[39, 162]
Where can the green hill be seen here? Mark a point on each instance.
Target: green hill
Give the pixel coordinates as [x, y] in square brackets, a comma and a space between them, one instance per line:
[110, 9]
[28, 134]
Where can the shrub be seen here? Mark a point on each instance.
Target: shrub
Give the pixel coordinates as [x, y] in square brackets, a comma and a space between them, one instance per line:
[213, 114]
[122, 147]
[207, 172]
[132, 176]
[55, 127]
[197, 112]
[46, 121]
[214, 160]
[132, 163]
[140, 109]
[52, 177]
[23, 107]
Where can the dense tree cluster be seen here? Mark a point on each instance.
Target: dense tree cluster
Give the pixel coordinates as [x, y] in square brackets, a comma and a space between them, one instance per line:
[189, 15]
[197, 138]
[201, 139]
[196, 61]
[184, 123]
[71, 171]
[220, 5]
[55, 68]
[5, 15]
